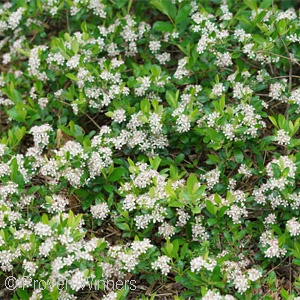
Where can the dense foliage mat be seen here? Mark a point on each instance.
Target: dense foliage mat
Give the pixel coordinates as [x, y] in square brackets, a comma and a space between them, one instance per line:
[149, 149]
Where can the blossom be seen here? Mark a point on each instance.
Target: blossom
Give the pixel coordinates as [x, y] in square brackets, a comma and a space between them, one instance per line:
[282, 137]
[200, 262]
[293, 226]
[100, 211]
[119, 115]
[162, 263]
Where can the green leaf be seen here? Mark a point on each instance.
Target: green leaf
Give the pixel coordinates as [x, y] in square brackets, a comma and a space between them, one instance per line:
[179, 158]
[281, 25]
[213, 134]
[211, 221]
[191, 181]
[210, 207]
[175, 203]
[123, 226]
[273, 120]
[265, 4]
[87, 202]
[251, 4]
[172, 98]
[158, 4]
[170, 8]
[281, 240]
[276, 171]
[71, 218]
[296, 250]
[155, 162]
[17, 97]
[84, 26]
[183, 13]
[116, 174]
[281, 121]
[45, 219]
[238, 155]
[163, 26]
[33, 190]
[145, 105]
[75, 46]
[14, 168]
[22, 293]
[296, 261]
[171, 193]
[169, 248]
[71, 76]
[121, 3]
[284, 293]
[258, 38]
[222, 211]
[109, 188]
[17, 113]
[214, 158]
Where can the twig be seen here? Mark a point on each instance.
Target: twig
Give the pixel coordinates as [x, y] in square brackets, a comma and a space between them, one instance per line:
[93, 121]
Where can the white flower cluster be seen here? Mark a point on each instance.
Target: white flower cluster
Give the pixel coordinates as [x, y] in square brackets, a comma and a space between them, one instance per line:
[244, 170]
[236, 212]
[166, 230]
[162, 263]
[30, 267]
[119, 115]
[295, 98]
[277, 90]
[244, 117]
[6, 259]
[41, 135]
[282, 137]
[198, 231]
[57, 203]
[211, 178]
[293, 226]
[208, 30]
[270, 191]
[138, 135]
[237, 272]
[215, 295]
[100, 211]
[267, 240]
[125, 259]
[218, 89]
[200, 262]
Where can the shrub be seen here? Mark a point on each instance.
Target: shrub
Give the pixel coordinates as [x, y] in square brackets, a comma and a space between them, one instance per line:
[149, 148]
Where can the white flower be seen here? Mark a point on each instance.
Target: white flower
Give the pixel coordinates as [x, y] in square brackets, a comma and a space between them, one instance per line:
[30, 267]
[100, 211]
[254, 274]
[198, 263]
[223, 60]
[77, 281]
[119, 115]
[110, 296]
[183, 124]
[166, 230]
[162, 264]
[154, 46]
[293, 226]
[282, 137]
[218, 89]
[73, 62]
[241, 283]
[42, 229]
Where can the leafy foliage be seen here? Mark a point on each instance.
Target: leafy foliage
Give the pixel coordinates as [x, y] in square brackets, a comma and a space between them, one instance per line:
[149, 143]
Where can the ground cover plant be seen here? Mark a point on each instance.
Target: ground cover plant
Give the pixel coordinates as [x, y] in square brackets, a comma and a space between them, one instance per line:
[149, 149]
